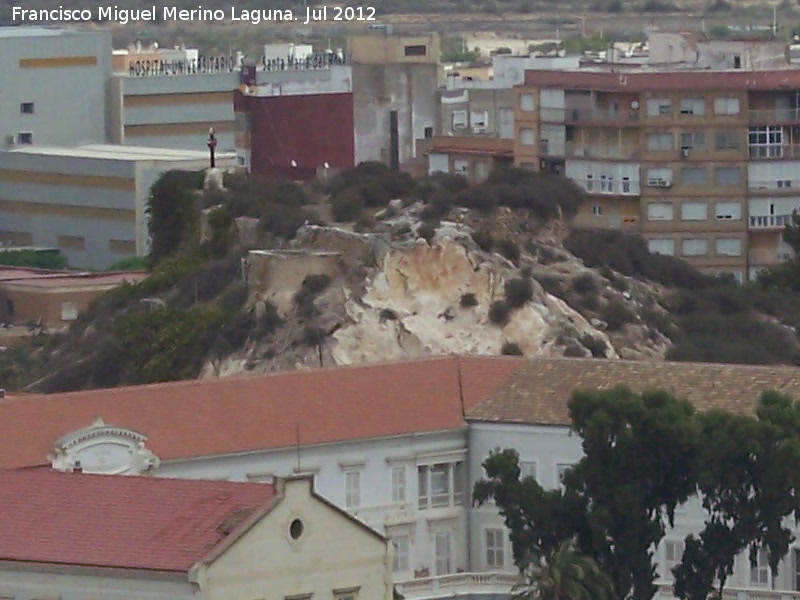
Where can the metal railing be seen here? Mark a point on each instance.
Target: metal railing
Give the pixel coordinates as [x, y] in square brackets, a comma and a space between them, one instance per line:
[767, 257]
[775, 151]
[599, 151]
[588, 115]
[446, 586]
[769, 221]
[772, 185]
[775, 115]
[734, 593]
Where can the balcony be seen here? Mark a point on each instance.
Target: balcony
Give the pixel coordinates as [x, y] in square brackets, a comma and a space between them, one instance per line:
[766, 257]
[457, 584]
[601, 152]
[733, 593]
[769, 221]
[775, 151]
[774, 116]
[585, 116]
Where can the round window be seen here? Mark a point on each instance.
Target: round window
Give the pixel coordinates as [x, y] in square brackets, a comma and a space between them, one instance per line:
[296, 529]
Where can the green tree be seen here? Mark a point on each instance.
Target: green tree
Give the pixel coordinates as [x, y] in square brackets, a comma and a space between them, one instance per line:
[645, 455]
[34, 258]
[173, 212]
[566, 574]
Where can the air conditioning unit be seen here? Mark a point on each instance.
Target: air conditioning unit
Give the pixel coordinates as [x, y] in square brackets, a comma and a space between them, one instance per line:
[687, 112]
[664, 183]
[658, 182]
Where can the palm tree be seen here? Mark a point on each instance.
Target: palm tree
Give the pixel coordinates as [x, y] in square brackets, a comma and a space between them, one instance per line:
[564, 575]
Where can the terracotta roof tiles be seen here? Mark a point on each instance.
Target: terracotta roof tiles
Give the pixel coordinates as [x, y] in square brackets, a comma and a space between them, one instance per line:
[251, 413]
[538, 392]
[120, 522]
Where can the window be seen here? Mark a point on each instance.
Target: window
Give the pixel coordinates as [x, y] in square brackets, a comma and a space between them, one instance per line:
[526, 101]
[693, 106]
[796, 556]
[693, 176]
[727, 175]
[590, 182]
[345, 593]
[659, 106]
[526, 137]
[694, 247]
[728, 246]
[440, 484]
[726, 106]
[693, 139]
[725, 211]
[444, 562]
[352, 489]
[25, 137]
[659, 211]
[398, 485]
[26, 108]
[69, 311]
[759, 574]
[626, 185]
[459, 119]
[72, 242]
[784, 183]
[659, 141]
[694, 211]
[765, 142]
[494, 548]
[659, 177]
[673, 552]
[727, 139]
[461, 166]
[603, 183]
[415, 50]
[665, 246]
[597, 210]
[480, 120]
[527, 469]
[402, 548]
[122, 246]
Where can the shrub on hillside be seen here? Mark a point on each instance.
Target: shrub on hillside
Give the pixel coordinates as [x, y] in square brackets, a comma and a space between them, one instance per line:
[376, 183]
[511, 349]
[509, 248]
[468, 300]
[427, 230]
[518, 292]
[595, 345]
[484, 240]
[585, 284]
[499, 313]
[616, 315]
[628, 254]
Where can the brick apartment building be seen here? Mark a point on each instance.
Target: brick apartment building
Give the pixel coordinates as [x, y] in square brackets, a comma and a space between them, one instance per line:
[703, 163]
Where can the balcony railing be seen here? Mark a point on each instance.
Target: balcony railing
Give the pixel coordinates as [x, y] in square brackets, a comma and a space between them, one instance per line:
[598, 151]
[775, 115]
[773, 185]
[767, 257]
[588, 115]
[775, 151]
[734, 593]
[769, 221]
[449, 586]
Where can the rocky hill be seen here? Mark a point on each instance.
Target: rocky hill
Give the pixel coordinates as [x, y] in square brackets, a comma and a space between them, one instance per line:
[480, 270]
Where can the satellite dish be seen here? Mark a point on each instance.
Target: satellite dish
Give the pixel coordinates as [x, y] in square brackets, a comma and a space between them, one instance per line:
[635, 104]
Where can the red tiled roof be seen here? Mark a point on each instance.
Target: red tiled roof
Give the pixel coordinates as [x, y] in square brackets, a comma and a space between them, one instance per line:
[657, 81]
[226, 416]
[116, 521]
[538, 392]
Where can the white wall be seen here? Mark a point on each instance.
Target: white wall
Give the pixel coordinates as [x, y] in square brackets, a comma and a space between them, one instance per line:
[374, 460]
[550, 446]
[333, 553]
[81, 584]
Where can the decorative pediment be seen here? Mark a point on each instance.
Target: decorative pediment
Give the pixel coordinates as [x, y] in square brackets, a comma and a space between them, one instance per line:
[102, 448]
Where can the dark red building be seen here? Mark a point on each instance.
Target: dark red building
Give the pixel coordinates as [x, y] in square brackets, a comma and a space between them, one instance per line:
[296, 135]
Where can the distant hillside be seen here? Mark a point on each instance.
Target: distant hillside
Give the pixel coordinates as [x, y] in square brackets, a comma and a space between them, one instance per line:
[408, 268]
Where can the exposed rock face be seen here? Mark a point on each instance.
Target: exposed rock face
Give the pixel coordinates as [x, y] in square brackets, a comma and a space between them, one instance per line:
[401, 299]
